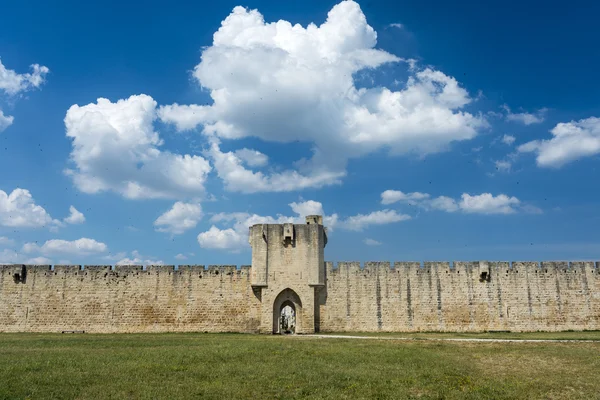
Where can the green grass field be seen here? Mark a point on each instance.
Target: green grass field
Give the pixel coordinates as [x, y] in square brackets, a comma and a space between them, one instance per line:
[234, 366]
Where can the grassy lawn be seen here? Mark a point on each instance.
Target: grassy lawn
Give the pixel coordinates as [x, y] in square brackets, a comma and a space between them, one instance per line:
[228, 366]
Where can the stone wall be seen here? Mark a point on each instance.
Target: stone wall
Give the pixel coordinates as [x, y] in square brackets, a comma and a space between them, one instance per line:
[477, 296]
[127, 299]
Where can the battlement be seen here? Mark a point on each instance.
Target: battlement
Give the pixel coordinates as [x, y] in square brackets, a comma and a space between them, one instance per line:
[125, 270]
[332, 267]
[459, 266]
[314, 219]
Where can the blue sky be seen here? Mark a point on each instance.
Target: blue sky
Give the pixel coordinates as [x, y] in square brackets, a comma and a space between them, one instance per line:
[422, 131]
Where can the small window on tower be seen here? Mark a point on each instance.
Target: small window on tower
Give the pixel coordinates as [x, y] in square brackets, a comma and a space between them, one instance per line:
[484, 277]
[288, 233]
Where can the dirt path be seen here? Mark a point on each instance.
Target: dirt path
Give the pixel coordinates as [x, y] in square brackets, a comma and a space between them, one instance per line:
[449, 339]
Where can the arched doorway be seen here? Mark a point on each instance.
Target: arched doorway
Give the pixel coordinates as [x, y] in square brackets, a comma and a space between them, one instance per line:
[287, 319]
[287, 312]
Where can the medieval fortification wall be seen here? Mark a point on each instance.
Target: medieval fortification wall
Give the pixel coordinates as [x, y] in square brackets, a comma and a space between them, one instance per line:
[127, 299]
[435, 296]
[469, 296]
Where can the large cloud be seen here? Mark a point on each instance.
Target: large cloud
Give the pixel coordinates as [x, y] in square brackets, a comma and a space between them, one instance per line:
[116, 148]
[18, 210]
[484, 203]
[285, 83]
[571, 141]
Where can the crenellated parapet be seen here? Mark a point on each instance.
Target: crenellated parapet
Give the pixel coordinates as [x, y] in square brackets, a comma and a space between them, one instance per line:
[124, 270]
[456, 267]
[512, 267]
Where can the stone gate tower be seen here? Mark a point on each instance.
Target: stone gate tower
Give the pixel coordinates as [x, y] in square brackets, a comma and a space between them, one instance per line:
[288, 269]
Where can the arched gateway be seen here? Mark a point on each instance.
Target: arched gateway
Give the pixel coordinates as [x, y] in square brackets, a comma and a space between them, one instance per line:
[287, 312]
[287, 266]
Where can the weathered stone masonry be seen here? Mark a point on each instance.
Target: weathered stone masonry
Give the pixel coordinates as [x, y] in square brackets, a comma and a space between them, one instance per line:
[127, 299]
[288, 268]
[468, 296]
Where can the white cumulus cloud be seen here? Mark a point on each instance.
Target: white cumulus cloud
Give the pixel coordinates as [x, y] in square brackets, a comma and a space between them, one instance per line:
[116, 148]
[18, 210]
[443, 203]
[38, 261]
[309, 207]
[237, 178]
[83, 246]
[75, 217]
[570, 141]
[362, 221]
[394, 196]
[184, 117]
[484, 203]
[283, 82]
[9, 256]
[179, 218]
[371, 242]
[223, 239]
[12, 83]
